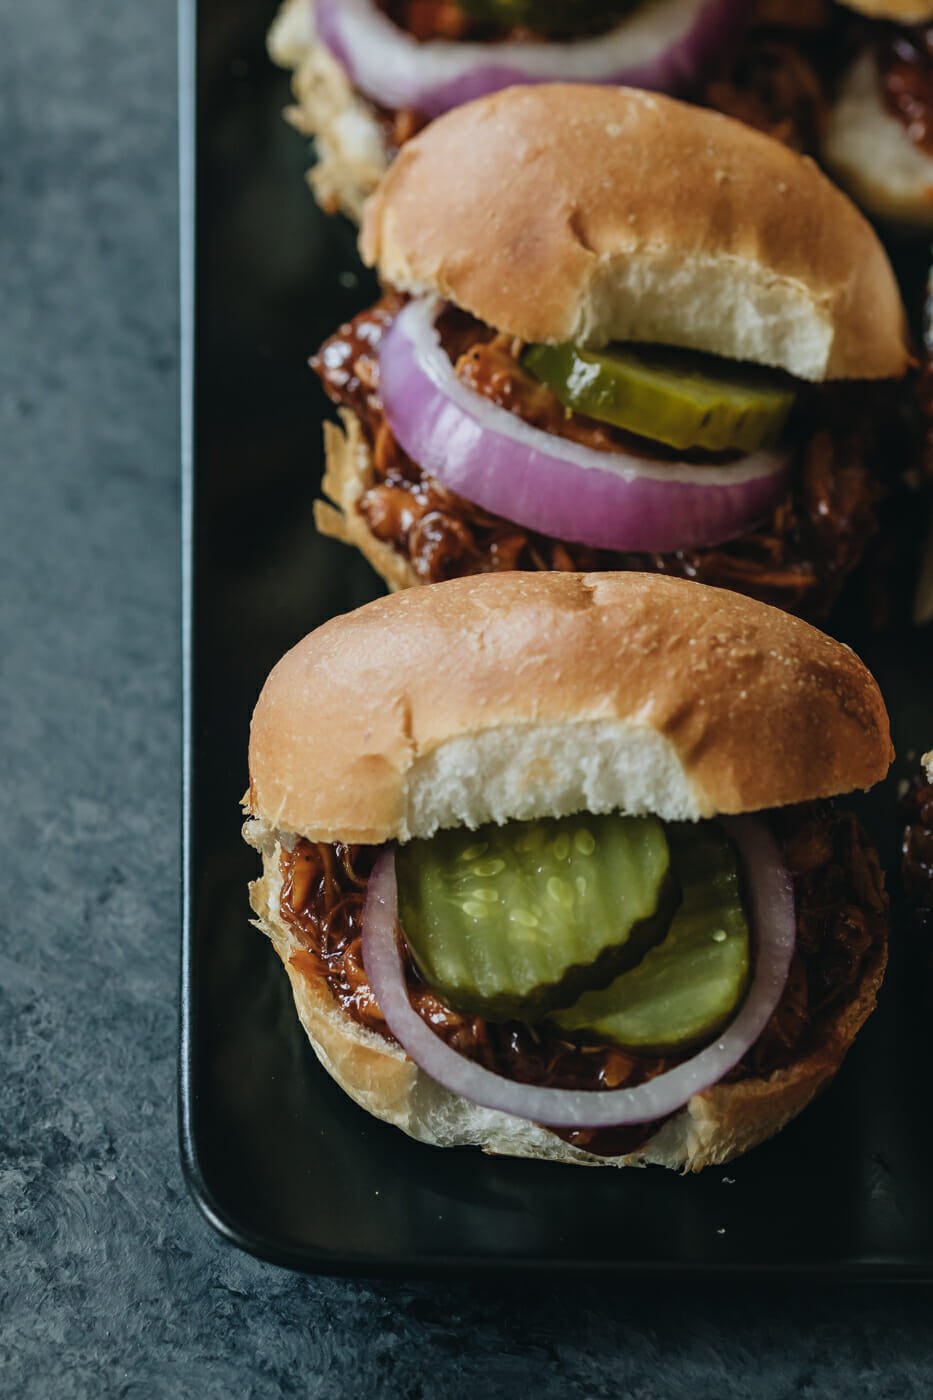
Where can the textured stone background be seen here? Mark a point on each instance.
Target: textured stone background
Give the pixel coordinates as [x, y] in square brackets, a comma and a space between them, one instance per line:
[110, 1282]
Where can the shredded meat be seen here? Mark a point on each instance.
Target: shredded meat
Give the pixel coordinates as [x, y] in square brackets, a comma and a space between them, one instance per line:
[449, 19]
[917, 865]
[398, 125]
[775, 88]
[430, 19]
[905, 67]
[841, 927]
[782, 76]
[491, 368]
[797, 560]
[841, 932]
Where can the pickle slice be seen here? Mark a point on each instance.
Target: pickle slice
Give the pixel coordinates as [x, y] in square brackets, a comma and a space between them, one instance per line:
[677, 397]
[687, 987]
[514, 920]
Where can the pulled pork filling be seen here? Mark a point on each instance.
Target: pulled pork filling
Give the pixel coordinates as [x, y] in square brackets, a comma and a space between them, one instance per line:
[782, 77]
[905, 68]
[450, 19]
[841, 935]
[798, 559]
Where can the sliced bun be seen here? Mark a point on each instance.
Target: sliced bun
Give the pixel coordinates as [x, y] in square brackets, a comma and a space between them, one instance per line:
[712, 1128]
[513, 696]
[869, 151]
[566, 212]
[898, 11]
[351, 149]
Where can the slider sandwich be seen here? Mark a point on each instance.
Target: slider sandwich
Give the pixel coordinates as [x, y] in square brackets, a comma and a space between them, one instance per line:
[553, 865]
[879, 140]
[617, 332]
[368, 74]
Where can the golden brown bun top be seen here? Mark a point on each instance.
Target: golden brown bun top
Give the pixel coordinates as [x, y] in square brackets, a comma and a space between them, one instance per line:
[898, 11]
[592, 214]
[519, 695]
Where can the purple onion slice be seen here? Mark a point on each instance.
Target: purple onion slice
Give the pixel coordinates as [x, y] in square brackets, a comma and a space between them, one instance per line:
[663, 45]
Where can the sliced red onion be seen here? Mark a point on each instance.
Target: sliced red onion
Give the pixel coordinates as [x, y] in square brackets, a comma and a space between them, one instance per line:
[663, 45]
[774, 929]
[607, 500]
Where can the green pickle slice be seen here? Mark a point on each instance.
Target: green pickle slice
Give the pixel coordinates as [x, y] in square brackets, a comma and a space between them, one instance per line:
[677, 397]
[687, 987]
[518, 919]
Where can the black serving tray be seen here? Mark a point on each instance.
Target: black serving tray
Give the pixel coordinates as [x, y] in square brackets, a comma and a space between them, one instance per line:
[279, 1160]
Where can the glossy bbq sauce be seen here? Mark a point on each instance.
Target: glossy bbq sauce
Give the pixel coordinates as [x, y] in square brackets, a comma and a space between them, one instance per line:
[474, 22]
[796, 560]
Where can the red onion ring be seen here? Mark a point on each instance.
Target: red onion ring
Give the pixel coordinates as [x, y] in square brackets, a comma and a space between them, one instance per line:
[664, 46]
[607, 500]
[774, 927]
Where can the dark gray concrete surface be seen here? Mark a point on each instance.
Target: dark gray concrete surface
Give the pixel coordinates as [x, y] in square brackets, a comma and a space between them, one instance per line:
[110, 1282]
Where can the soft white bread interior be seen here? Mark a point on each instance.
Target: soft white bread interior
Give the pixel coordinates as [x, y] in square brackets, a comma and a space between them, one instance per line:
[928, 765]
[712, 1128]
[351, 149]
[574, 213]
[869, 152]
[514, 696]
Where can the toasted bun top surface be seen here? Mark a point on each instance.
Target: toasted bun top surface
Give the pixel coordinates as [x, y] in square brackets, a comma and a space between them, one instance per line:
[899, 11]
[566, 212]
[513, 696]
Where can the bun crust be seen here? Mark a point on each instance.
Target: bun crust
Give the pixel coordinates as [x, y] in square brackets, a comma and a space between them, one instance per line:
[899, 11]
[712, 1128]
[869, 151]
[512, 696]
[351, 150]
[566, 212]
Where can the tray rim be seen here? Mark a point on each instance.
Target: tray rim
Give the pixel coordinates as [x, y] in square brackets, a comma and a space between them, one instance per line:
[891, 1269]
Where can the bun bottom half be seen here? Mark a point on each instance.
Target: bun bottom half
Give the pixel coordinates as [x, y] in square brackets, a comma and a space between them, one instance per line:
[350, 147]
[712, 1128]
